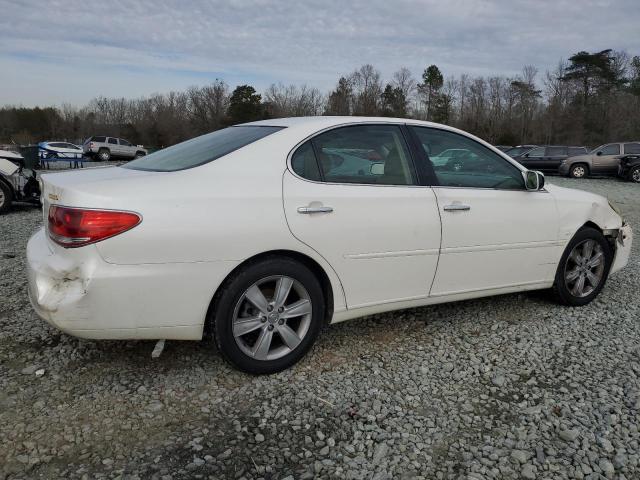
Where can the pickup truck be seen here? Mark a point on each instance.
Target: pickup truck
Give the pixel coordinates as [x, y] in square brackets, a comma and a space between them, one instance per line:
[103, 148]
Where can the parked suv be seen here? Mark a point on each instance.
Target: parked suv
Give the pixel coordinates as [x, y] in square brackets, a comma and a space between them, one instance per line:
[103, 148]
[548, 158]
[603, 160]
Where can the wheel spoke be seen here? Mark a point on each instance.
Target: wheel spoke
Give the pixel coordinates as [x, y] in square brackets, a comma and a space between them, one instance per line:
[283, 287]
[256, 297]
[587, 250]
[572, 275]
[261, 348]
[593, 278]
[595, 260]
[575, 256]
[289, 337]
[242, 326]
[578, 288]
[297, 309]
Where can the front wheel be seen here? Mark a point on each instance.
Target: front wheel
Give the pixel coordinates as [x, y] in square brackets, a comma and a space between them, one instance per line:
[583, 268]
[634, 174]
[267, 315]
[5, 198]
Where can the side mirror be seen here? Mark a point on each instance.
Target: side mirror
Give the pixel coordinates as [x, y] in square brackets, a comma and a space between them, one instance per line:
[377, 169]
[598, 153]
[533, 181]
[526, 155]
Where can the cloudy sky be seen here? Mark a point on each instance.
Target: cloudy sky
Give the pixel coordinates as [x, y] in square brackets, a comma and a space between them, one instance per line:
[52, 52]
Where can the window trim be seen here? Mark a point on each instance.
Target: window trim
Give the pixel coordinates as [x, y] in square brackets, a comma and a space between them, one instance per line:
[402, 128]
[435, 183]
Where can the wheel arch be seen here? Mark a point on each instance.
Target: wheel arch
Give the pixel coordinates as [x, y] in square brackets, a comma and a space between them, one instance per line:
[310, 263]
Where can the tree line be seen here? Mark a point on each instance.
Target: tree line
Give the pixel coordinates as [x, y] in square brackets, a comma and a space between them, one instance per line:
[588, 99]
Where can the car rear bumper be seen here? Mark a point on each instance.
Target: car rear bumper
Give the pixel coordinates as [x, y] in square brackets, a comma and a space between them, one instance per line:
[90, 298]
[623, 248]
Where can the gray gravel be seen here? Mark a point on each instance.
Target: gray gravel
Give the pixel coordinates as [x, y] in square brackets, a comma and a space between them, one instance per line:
[506, 387]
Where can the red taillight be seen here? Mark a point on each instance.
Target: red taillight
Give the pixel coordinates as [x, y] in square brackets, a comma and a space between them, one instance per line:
[76, 227]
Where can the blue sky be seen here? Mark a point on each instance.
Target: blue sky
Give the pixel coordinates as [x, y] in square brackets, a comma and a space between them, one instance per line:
[54, 52]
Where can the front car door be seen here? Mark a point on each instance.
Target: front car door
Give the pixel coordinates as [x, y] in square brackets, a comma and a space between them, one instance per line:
[114, 148]
[352, 194]
[553, 157]
[533, 159]
[606, 159]
[126, 149]
[495, 233]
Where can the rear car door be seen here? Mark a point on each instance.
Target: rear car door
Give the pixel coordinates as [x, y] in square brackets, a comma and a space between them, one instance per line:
[607, 159]
[495, 233]
[352, 194]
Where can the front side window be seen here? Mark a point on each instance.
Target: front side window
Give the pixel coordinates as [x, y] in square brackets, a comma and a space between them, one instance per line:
[556, 151]
[633, 148]
[113, 141]
[125, 143]
[536, 152]
[365, 154]
[613, 149]
[473, 165]
[201, 150]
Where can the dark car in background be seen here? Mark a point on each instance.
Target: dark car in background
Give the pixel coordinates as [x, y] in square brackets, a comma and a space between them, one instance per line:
[548, 158]
[519, 150]
[629, 167]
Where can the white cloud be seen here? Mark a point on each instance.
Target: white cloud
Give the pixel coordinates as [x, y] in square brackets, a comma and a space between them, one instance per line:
[132, 48]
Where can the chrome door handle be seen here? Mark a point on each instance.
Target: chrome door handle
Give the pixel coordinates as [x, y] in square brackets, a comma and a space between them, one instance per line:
[315, 209]
[455, 207]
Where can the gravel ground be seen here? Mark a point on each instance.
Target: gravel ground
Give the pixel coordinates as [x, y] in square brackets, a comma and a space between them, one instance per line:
[505, 387]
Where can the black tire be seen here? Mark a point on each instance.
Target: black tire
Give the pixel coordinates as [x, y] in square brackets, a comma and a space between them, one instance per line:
[104, 155]
[6, 197]
[634, 174]
[139, 154]
[561, 287]
[232, 292]
[579, 170]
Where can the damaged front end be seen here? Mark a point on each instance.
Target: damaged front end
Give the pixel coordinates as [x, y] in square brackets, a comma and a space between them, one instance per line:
[17, 184]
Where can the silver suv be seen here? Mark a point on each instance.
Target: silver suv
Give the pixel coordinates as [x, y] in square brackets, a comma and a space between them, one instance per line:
[103, 148]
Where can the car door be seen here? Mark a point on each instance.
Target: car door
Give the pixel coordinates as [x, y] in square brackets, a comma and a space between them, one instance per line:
[533, 159]
[495, 233]
[553, 157]
[114, 148]
[126, 150]
[351, 193]
[606, 159]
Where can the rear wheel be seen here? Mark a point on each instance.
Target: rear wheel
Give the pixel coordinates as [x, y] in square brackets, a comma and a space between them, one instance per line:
[104, 155]
[583, 268]
[578, 170]
[634, 174]
[5, 197]
[267, 315]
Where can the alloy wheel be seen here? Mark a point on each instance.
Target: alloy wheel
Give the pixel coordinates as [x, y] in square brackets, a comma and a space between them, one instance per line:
[585, 268]
[2, 197]
[272, 317]
[635, 175]
[578, 172]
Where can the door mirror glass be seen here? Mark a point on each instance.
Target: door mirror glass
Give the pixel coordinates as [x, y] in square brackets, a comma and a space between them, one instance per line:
[377, 169]
[533, 180]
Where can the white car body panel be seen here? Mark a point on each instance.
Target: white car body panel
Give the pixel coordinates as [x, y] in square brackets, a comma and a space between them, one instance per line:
[381, 247]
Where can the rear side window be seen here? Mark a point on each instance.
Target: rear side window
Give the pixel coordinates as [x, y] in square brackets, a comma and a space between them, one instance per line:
[632, 148]
[304, 162]
[99, 139]
[556, 151]
[362, 154]
[201, 150]
[573, 151]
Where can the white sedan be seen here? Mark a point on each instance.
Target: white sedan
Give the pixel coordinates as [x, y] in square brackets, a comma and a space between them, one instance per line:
[59, 150]
[260, 233]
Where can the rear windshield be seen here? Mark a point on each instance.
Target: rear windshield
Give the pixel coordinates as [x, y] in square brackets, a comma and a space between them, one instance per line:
[201, 150]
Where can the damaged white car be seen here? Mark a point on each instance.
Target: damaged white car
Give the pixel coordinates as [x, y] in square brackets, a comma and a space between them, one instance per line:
[16, 182]
[260, 233]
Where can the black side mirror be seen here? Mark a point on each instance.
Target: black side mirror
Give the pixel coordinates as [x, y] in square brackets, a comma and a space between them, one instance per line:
[598, 153]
